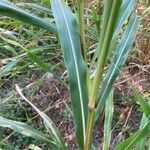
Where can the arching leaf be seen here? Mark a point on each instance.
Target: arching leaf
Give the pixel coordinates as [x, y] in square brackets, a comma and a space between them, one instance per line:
[70, 43]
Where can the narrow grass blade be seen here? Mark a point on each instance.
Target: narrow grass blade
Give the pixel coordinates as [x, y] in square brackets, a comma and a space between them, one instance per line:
[36, 7]
[143, 103]
[70, 42]
[5, 70]
[25, 130]
[142, 143]
[146, 113]
[106, 15]
[104, 49]
[54, 132]
[125, 11]
[133, 139]
[117, 63]
[38, 61]
[11, 10]
[109, 109]
[11, 49]
[96, 18]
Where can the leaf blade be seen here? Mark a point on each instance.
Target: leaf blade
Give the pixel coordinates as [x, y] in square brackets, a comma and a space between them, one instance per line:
[125, 12]
[70, 42]
[109, 109]
[144, 105]
[54, 132]
[24, 129]
[117, 63]
[141, 144]
[38, 61]
[133, 139]
[11, 10]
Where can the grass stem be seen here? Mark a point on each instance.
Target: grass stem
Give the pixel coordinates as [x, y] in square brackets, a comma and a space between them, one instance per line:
[102, 59]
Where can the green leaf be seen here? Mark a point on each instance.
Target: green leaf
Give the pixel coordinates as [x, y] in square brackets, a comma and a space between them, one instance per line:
[11, 10]
[53, 130]
[25, 130]
[109, 109]
[70, 43]
[133, 139]
[102, 59]
[106, 16]
[117, 63]
[143, 103]
[97, 18]
[125, 11]
[35, 6]
[5, 70]
[142, 143]
[109, 27]
[104, 50]
[38, 61]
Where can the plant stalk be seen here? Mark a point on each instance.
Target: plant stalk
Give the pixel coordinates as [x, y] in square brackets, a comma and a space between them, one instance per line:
[89, 129]
[102, 59]
[104, 52]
